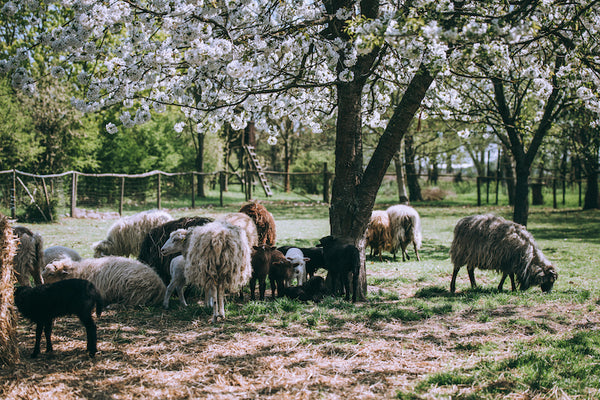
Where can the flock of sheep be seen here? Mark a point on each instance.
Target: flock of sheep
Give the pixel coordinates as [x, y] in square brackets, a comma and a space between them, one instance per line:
[223, 255]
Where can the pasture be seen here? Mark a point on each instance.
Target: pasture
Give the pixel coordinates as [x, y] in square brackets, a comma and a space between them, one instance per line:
[411, 339]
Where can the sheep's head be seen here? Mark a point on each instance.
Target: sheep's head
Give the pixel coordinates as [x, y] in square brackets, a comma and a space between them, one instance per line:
[546, 277]
[57, 271]
[101, 248]
[175, 243]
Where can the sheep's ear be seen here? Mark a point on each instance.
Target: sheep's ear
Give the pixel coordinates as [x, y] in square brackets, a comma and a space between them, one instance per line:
[306, 259]
[273, 248]
[256, 247]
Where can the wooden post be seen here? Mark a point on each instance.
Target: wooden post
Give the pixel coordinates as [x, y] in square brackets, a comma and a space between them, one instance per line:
[498, 175]
[487, 180]
[73, 194]
[47, 198]
[13, 195]
[222, 185]
[478, 191]
[122, 196]
[158, 202]
[193, 193]
[325, 184]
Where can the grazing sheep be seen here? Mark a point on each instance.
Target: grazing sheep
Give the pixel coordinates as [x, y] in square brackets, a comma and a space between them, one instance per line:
[296, 257]
[265, 223]
[218, 260]
[150, 253]
[493, 243]
[313, 289]
[341, 259]
[405, 225]
[119, 279]
[177, 281]
[280, 273]
[43, 303]
[314, 254]
[125, 236]
[246, 223]
[378, 234]
[54, 253]
[261, 265]
[29, 257]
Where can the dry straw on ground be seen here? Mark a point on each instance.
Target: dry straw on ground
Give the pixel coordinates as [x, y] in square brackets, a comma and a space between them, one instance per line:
[9, 352]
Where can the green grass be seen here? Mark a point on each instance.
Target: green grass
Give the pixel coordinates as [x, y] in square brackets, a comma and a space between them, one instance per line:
[542, 343]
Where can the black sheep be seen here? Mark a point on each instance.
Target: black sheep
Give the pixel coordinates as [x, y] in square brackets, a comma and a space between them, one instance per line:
[43, 303]
[341, 259]
[280, 272]
[313, 289]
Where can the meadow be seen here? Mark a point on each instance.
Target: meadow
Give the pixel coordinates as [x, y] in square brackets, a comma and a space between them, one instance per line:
[411, 339]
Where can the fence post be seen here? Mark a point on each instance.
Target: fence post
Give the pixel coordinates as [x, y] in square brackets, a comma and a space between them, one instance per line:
[13, 195]
[47, 198]
[122, 196]
[193, 192]
[325, 184]
[478, 191]
[73, 194]
[554, 203]
[158, 202]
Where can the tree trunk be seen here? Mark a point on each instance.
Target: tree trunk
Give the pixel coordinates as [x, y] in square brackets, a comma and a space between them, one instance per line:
[509, 179]
[521, 208]
[402, 195]
[200, 164]
[412, 178]
[287, 160]
[591, 200]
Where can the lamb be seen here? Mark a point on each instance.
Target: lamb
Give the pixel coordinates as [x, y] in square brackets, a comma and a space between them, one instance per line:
[341, 259]
[29, 257]
[120, 280]
[280, 273]
[315, 256]
[378, 234]
[313, 289]
[125, 236]
[261, 265]
[150, 252]
[493, 243]
[265, 223]
[177, 281]
[43, 303]
[296, 257]
[405, 225]
[218, 260]
[54, 253]
[246, 223]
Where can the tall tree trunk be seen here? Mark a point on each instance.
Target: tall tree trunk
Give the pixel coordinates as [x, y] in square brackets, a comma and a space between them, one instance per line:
[412, 177]
[287, 161]
[591, 200]
[200, 164]
[521, 207]
[402, 195]
[509, 177]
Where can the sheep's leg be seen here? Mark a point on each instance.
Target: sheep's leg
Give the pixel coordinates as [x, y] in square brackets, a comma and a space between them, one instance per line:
[512, 282]
[180, 293]
[404, 253]
[216, 306]
[471, 271]
[417, 252]
[38, 338]
[453, 282]
[273, 287]
[504, 275]
[90, 330]
[252, 287]
[262, 287]
[168, 294]
[222, 301]
[346, 283]
[48, 331]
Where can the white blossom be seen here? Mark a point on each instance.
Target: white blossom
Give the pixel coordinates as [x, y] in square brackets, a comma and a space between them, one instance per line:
[178, 127]
[111, 128]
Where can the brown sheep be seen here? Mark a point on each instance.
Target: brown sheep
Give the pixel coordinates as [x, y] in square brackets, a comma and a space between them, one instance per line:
[265, 223]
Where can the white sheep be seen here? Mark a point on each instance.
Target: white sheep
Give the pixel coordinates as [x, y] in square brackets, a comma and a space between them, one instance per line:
[296, 257]
[177, 269]
[119, 279]
[405, 225]
[125, 236]
[246, 223]
[217, 259]
[29, 258]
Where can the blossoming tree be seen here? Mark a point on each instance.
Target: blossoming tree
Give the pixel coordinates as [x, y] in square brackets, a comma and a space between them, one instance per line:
[236, 61]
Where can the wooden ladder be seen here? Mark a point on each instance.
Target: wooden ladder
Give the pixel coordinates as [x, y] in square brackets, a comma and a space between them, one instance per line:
[258, 169]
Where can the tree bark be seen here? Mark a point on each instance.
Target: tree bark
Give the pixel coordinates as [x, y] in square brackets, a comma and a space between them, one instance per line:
[402, 195]
[591, 200]
[200, 164]
[412, 177]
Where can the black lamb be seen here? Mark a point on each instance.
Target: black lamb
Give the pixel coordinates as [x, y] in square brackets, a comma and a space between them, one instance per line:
[43, 303]
[341, 259]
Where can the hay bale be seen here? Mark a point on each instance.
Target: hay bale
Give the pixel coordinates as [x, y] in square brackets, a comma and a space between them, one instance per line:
[9, 350]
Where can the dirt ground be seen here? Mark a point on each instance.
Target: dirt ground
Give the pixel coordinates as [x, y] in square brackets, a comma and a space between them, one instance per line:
[154, 354]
